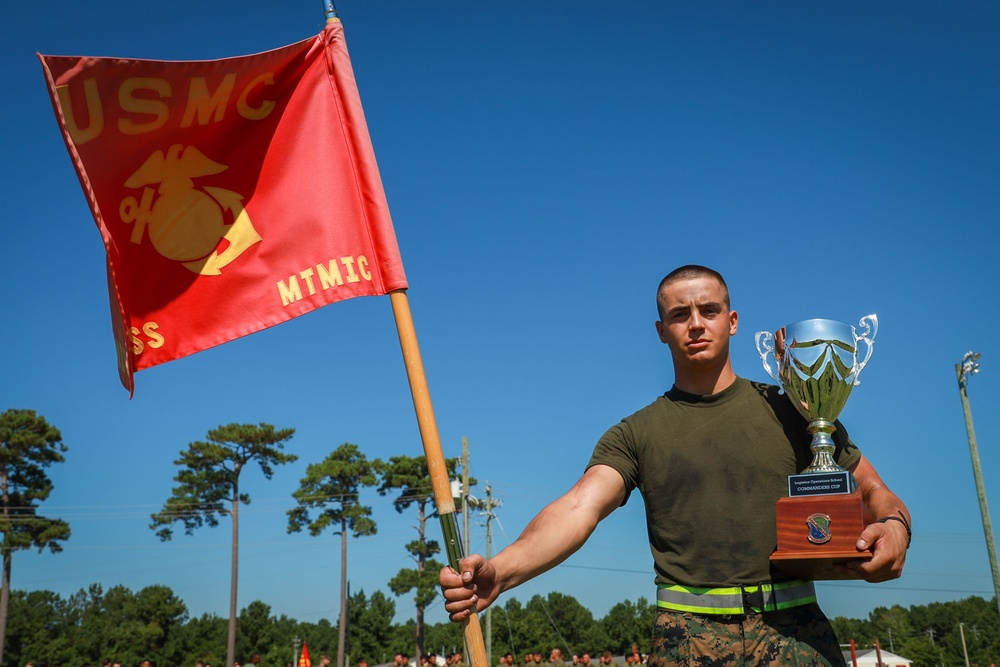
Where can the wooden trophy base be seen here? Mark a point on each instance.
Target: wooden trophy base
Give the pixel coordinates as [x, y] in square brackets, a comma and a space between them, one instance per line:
[837, 519]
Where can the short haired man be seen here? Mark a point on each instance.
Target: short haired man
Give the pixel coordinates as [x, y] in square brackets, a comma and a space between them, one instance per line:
[711, 454]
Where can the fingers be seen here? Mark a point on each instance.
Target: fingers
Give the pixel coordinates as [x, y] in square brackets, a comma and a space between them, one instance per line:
[460, 602]
[459, 588]
[888, 547]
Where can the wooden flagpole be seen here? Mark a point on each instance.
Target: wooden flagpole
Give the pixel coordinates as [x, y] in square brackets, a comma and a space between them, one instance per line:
[435, 458]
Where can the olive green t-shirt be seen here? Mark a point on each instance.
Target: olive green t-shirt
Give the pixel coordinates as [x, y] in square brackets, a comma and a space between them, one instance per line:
[710, 470]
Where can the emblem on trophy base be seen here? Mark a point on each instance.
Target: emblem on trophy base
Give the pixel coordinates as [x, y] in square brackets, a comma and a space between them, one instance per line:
[817, 363]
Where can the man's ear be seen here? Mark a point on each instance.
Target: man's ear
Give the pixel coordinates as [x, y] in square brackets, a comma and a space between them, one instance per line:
[734, 322]
[659, 331]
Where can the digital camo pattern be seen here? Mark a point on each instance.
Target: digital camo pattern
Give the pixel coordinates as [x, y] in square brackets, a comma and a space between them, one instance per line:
[793, 637]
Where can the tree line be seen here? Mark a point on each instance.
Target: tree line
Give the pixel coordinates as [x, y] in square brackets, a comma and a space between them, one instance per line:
[153, 624]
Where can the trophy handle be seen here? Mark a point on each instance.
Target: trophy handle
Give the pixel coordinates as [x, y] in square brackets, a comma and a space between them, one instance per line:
[870, 325]
[763, 340]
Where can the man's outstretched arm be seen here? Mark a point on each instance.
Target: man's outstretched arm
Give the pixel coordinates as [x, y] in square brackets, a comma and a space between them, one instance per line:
[551, 537]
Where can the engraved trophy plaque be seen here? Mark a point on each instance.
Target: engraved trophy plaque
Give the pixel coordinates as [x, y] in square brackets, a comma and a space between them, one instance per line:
[817, 363]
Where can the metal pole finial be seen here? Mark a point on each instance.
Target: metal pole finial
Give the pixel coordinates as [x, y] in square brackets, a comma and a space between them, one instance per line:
[330, 11]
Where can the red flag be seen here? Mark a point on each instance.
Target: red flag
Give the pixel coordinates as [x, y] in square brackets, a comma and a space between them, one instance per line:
[304, 660]
[231, 194]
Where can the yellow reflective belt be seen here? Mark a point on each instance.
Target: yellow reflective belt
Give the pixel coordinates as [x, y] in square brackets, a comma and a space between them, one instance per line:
[735, 599]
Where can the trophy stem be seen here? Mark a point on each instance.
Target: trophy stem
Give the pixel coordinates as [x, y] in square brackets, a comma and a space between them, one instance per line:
[822, 448]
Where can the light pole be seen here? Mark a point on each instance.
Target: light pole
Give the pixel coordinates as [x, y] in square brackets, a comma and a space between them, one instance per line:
[965, 651]
[965, 370]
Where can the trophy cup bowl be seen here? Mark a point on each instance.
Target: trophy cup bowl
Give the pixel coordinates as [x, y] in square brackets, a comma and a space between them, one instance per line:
[817, 364]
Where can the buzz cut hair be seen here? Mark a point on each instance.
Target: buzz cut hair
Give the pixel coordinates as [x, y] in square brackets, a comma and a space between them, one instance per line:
[689, 272]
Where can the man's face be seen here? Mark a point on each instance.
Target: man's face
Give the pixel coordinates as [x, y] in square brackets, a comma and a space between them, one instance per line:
[696, 325]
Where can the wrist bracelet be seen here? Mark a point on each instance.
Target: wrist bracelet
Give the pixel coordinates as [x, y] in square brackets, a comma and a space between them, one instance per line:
[902, 520]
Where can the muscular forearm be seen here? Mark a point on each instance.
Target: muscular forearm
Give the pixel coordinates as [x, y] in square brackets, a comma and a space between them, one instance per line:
[561, 528]
[547, 541]
[553, 535]
[879, 500]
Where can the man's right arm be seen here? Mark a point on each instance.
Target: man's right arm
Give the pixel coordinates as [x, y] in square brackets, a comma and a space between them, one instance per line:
[551, 537]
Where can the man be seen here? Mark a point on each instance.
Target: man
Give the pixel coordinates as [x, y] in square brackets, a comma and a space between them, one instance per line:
[710, 458]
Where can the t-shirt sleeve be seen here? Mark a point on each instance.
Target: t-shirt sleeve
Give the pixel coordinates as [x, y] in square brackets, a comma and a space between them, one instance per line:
[616, 449]
[846, 453]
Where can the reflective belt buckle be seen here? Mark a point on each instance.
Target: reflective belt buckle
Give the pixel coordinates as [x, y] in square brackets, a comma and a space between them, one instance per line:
[756, 598]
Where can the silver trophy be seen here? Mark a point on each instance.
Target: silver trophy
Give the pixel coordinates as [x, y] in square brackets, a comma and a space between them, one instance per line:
[817, 364]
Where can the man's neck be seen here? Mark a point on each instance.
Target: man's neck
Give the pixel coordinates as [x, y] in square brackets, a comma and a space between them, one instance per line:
[705, 383]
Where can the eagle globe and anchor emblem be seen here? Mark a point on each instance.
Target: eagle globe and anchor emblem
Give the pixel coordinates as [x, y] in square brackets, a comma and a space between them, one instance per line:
[184, 223]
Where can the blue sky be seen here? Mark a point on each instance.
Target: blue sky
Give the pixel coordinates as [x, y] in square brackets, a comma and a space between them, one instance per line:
[545, 164]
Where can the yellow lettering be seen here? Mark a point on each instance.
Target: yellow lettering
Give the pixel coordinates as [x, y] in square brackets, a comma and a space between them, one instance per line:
[329, 277]
[155, 337]
[348, 263]
[307, 276]
[95, 112]
[204, 104]
[329, 274]
[266, 107]
[156, 108]
[363, 268]
[137, 345]
[291, 292]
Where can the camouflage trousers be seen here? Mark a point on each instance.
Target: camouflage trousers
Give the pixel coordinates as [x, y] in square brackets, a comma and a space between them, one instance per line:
[792, 637]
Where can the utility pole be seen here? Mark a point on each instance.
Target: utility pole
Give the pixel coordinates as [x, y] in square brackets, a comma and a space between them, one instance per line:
[465, 497]
[488, 510]
[965, 370]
